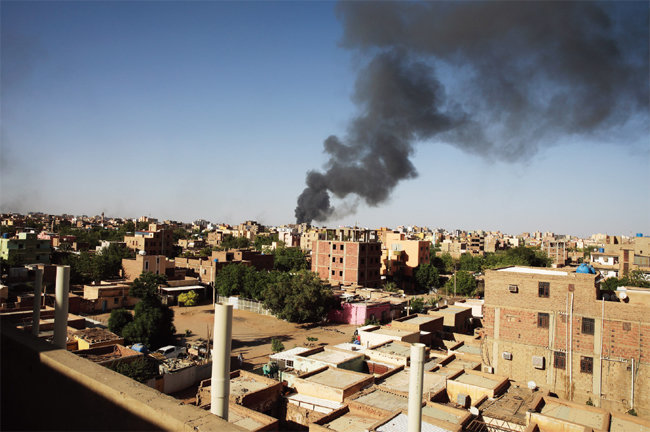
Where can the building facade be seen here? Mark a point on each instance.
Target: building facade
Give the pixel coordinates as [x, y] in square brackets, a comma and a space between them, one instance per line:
[25, 248]
[347, 262]
[556, 328]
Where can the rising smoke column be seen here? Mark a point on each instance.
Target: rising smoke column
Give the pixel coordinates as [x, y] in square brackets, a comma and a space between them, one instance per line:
[517, 76]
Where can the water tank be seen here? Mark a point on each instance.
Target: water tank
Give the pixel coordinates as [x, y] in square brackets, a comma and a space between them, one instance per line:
[5, 235]
[601, 250]
[639, 234]
[142, 252]
[585, 268]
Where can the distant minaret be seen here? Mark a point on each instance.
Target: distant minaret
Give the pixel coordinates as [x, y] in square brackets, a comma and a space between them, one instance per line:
[102, 218]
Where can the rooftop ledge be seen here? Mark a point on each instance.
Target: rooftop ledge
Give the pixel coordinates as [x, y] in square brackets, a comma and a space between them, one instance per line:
[46, 388]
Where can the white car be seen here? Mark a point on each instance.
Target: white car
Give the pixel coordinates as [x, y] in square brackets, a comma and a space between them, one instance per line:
[171, 351]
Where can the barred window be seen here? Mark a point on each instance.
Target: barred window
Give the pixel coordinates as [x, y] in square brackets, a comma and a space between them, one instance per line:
[559, 360]
[588, 326]
[544, 289]
[542, 320]
[586, 364]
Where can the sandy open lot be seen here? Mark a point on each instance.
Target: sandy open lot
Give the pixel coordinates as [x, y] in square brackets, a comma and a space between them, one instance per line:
[252, 333]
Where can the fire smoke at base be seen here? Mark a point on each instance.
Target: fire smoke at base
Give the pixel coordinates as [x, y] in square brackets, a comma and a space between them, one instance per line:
[525, 75]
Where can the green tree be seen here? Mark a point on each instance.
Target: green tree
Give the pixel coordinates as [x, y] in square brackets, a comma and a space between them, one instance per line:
[141, 370]
[230, 279]
[472, 263]
[289, 259]
[448, 263]
[300, 297]
[231, 242]
[465, 284]
[276, 345]
[188, 299]
[118, 320]
[153, 322]
[426, 277]
[390, 286]
[417, 305]
[264, 240]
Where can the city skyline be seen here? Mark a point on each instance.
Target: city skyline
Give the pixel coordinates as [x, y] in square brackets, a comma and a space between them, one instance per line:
[217, 111]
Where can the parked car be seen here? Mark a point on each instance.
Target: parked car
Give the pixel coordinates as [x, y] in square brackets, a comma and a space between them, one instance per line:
[171, 351]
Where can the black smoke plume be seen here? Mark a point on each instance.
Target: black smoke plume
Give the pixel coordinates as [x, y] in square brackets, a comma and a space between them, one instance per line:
[496, 79]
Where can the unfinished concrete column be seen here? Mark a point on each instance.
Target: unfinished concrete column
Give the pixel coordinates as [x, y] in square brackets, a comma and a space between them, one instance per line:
[415, 388]
[61, 306]
[220, 382]
[38, 288]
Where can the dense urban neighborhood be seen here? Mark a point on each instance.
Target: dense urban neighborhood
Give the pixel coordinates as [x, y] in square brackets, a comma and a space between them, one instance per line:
[321, 329]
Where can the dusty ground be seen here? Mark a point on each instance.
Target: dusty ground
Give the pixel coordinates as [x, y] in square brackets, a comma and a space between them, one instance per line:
[252, 333]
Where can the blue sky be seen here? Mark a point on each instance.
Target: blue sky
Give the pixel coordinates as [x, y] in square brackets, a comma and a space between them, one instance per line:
[216, 110]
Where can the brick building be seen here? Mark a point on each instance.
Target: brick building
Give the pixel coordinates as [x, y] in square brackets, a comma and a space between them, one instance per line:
[556, 328]
[347, 262]
[156, 241]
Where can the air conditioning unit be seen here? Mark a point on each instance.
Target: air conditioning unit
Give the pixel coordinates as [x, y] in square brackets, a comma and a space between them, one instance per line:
[538, 362]
[507, 355]
[513, 288]
[462, 400]
[488, 369]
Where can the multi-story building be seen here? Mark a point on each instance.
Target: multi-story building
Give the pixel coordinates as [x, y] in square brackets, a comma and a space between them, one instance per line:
[556, 328]
[25, 248]
[556, 250]
[616, 259]
[158, 264]
[400, 257]
[156, 241]
[347, 262]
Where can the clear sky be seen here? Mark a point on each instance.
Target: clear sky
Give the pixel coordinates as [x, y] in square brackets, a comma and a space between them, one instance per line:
[217, 110]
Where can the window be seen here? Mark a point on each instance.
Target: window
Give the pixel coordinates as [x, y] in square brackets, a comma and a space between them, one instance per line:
[542, 320]
[627, 326]
[333, 247]
[341, 260]
[289, 363]
[588, 326]
[340, 273]
[146, 265]
[333, 272]
[513, 288]
[559, 360]
[586, 364]
[363, 260]
[341, 247]
[544, 289]
[333, 259]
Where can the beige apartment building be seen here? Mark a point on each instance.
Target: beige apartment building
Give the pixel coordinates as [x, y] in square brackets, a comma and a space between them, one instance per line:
[556, 328]
[155, 241]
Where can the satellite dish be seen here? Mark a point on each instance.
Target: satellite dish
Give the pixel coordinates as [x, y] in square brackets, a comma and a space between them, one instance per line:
[473, 410]
[622, 296]
[532, 385]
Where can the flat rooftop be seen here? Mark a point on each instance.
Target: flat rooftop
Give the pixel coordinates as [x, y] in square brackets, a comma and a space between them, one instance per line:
[592, 419]
[399, 423]
[288, 354]
[433, 410]
[349, 422]
[393, 349]
[242, 385]
[335, 378]
[400, 381]
[537, 271]
[244, 422]
[418, 320]
[332, 356]
[469, 349]
[384, 400]
[391, 332]
[451, 309]
[511, 406]
[476, 380]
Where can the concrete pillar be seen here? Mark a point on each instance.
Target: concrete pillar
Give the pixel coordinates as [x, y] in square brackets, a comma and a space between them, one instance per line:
[220, 382]
[61, 306]
[38, 289]
[415, 388]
